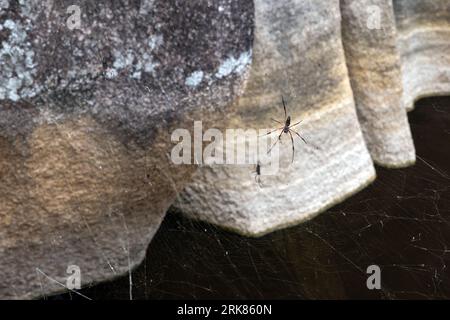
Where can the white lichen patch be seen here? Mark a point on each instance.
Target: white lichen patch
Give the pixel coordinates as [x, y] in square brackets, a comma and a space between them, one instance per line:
[4, 4]
[110, 73]
[17, 66]
[233, 65]
[194, 79]
[149, 64]
[146, 6]
[135, 61]
[155, 41]
[229, 66]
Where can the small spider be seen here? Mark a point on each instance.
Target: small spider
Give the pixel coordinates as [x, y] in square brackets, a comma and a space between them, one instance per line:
[286, 128]
[258, 174]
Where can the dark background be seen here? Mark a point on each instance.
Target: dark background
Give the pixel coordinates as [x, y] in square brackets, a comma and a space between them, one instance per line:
[401, 223]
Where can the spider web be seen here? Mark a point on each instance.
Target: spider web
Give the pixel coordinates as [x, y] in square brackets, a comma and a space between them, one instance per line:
[401, 223]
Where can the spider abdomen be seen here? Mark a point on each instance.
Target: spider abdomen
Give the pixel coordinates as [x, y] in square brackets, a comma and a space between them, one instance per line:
[287, 124]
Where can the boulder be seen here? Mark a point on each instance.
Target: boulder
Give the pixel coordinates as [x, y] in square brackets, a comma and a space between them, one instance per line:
[423, 40]
[297, 54]
[349, 69]
[89, 96]
[369, 36]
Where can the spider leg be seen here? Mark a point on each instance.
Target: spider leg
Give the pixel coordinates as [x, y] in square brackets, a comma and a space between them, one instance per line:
[258, 181]
[297, 123]
[299, 135]
[279, 137]
[276, 121]
[284, 107]
[314, 146]
[270, 132]
[293, 149]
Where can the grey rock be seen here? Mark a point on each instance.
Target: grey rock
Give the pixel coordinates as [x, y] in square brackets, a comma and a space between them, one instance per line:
[298, 53]
[370, 41]
[86, 112]
[424, 45]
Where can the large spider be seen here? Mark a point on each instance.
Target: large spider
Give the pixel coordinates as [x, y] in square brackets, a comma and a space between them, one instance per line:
[286, 128]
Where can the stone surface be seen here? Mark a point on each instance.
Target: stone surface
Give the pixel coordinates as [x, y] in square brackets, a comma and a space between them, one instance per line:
[424, 45]
[298, 53]
[87, 109]
[370, 42]
[395, 52]
[85, 120]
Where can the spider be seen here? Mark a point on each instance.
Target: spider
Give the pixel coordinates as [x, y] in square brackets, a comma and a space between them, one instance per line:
[258, 174]
[286, 128]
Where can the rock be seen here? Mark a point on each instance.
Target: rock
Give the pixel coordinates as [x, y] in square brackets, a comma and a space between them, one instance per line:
[370, 42]
[424, 45]
[89, 95]
[297, 53]
[395, 52]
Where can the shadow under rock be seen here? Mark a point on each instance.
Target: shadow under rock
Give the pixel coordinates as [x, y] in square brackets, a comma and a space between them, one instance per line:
[401, 223]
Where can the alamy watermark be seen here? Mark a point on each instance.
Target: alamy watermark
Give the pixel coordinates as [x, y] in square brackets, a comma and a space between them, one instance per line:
[73, 11]
[374, 280]
[74, 20]
[73, 281]
[373, 17]
[232, 147]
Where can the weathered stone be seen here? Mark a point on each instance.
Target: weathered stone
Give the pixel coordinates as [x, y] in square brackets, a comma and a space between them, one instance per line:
[86, 114]
[298, 53]
[424, 45]
[85, 120]
[370, 42]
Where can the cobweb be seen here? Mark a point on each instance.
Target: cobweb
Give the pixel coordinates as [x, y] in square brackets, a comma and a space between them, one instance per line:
[401, 223]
